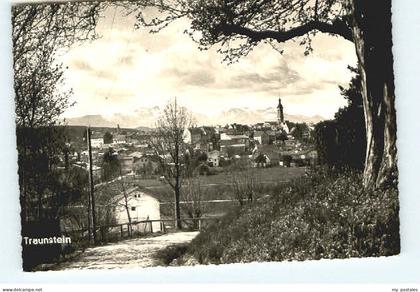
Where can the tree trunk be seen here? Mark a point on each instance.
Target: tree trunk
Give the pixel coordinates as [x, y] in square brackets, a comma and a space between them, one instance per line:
[177, 208]
[126, 205]
[371, 26]
[127, 209]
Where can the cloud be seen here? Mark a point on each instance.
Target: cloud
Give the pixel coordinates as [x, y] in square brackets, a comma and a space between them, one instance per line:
[199, 76]
[129, 69]
[274, 78]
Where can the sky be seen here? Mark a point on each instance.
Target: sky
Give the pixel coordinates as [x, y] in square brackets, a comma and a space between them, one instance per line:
[128, 69]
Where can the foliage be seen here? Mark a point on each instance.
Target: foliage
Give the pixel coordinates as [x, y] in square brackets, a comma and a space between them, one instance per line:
[299, 131]
[110, 165]
[147, 170]
[351, 124]
[38, 153]
[167, 255]
[195, 161]
[341, 143]
[108, 138]
[287, 159]
[261, 159]
[38, 30]
[315, 217]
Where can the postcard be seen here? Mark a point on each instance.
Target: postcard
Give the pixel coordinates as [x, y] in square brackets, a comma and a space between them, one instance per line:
[173, 133]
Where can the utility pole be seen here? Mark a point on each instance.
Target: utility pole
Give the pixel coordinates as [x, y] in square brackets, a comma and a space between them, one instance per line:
[91, 187]
[89, 218]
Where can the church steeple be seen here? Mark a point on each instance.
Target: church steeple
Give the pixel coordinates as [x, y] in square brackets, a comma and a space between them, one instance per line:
[280, 116]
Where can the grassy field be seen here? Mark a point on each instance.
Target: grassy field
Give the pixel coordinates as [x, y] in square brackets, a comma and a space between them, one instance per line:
[213, 187]
[220, 181]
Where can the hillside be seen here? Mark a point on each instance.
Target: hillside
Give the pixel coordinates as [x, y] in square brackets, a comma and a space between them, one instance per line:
[310, 218]
[90, 120]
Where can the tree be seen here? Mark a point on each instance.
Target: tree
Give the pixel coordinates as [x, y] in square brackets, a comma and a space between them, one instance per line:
[298, 131]
[38, 30]
[168, 144]
[193, 196]
[326, 143]
[244, 182]
[108, 138]
[110, 165]
[351, 124]
[281, 136]
[239, 25]
[261, 159]
[341, 142]
[126, 201]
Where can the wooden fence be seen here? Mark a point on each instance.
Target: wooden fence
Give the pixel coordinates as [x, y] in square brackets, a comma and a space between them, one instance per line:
[115, 232]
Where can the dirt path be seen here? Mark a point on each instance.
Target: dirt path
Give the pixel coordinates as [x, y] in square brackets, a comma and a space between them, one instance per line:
[131, 253]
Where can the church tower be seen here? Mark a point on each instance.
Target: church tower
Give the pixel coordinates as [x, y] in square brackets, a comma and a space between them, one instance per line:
[280, 116]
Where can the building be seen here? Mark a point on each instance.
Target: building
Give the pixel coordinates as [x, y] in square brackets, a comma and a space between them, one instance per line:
[96, 140]
[145, 164]
[280, 115]
[261, 137]
[201, 138]
[298, 158]
[271, 152]
[282, 125]
[142, 206]
[233, 144]
[120, 139]
[96, 170]
[126, 164]
[213, 158]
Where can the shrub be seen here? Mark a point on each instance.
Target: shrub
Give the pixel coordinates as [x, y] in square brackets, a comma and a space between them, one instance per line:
[167, 255]
[319, 216]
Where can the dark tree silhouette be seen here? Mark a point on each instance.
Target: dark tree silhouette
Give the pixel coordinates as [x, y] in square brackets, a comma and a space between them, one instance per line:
[108, 138]
[110, 165]
[351, 125]
[341, 142]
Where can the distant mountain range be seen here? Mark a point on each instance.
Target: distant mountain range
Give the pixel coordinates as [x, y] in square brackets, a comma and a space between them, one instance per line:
[146, 117]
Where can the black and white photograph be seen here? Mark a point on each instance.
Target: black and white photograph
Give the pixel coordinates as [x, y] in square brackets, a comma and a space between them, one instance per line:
[204, 132]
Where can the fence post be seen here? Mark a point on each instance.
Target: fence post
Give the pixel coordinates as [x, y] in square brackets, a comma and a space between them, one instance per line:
[199, 224]
[151, 227]
[121, 228]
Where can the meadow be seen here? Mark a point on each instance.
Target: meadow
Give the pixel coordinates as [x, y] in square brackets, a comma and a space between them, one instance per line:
[216, 195]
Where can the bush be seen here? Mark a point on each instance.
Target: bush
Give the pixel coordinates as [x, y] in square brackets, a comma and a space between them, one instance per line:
[315, 217]
[170, 253]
